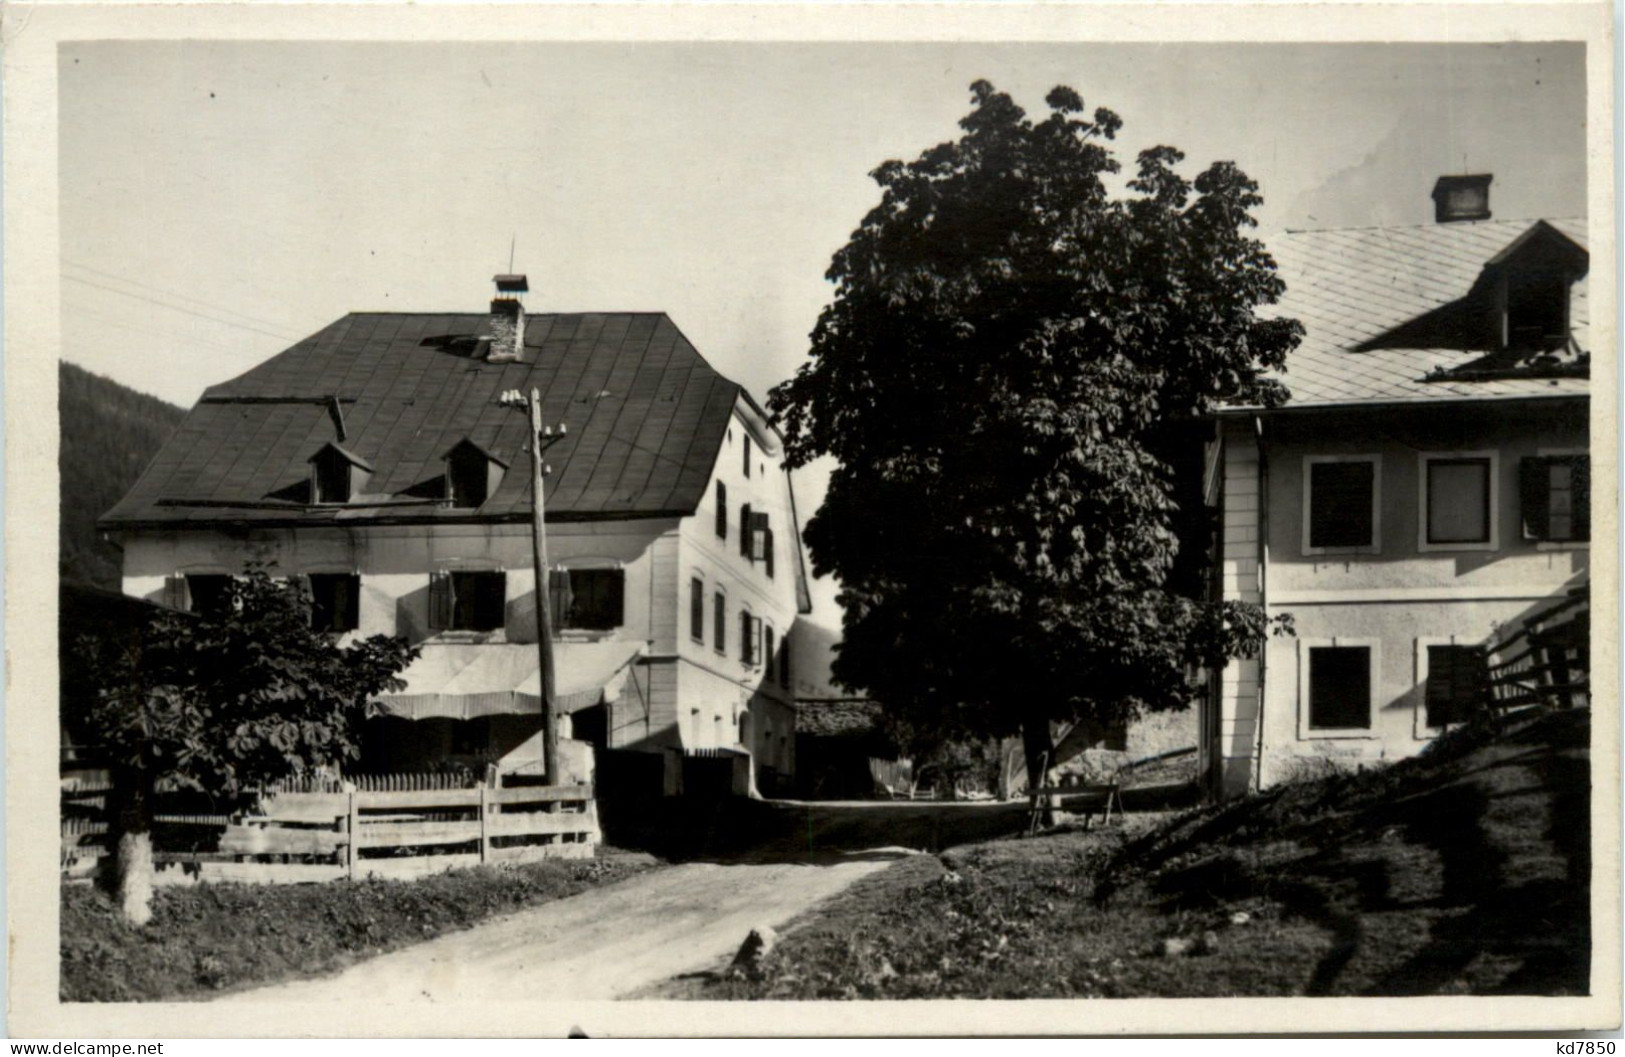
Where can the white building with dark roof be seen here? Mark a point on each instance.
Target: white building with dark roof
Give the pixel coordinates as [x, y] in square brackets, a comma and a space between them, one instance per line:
[374, 460]
[1427, 484]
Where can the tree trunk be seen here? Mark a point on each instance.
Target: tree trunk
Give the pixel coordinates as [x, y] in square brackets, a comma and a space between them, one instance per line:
[130, 877]
[1040, 752]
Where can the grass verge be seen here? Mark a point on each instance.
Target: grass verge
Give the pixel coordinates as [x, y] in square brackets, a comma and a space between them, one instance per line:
[1464, 872]
[211, 938]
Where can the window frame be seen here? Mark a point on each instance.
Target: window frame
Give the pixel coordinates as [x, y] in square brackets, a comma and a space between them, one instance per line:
[323, 464]
[451, 628]
[720, 494]
[1492, 500]
[1375, 546]
[1545, 544]
[575, 569]
[1374, 659]
[355, 613]
[1420, 730]
[696, 608]
[719, 620]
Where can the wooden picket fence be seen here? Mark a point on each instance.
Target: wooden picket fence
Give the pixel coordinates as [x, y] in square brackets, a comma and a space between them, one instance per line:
[1546, 659]
[395, 834]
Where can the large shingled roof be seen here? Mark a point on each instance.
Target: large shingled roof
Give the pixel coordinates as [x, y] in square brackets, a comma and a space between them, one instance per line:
[646, 416]
[1351, 287]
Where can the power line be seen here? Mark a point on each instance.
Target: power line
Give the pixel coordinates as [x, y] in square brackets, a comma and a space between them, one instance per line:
[172, 295]
[184, 311]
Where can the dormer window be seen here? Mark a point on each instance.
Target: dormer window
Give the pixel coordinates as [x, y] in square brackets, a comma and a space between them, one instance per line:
[1537, 312]
[337, 475]
[472, 474]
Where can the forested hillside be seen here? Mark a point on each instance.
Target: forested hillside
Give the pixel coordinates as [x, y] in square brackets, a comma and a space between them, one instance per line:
[109, 434]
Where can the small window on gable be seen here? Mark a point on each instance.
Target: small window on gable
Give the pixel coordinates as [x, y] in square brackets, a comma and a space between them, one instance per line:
[336, 475]
[747, 455]
[1556, 498]
[472, 474]
[722, 511]
[1340, 504]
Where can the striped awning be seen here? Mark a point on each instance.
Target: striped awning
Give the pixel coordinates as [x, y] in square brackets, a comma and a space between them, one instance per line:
[467, 681]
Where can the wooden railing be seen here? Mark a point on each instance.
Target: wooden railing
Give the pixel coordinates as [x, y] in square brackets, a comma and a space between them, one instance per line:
[326, 836]
[1546, 659]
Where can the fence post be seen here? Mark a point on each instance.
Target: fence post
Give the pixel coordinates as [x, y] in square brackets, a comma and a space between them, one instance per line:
[350, 826]
[485, 826]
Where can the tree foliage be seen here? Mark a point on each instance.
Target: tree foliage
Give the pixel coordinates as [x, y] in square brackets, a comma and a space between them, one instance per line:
[1008, 342]
[229, 701]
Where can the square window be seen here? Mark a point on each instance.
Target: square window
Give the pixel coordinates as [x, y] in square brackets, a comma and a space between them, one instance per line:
[1342, 504]
[1458, 500]
[596, 600]
[1556, 498]
[335, 601]
[1456, 681]
[468, 601]
[1339, 688]
[208, 593]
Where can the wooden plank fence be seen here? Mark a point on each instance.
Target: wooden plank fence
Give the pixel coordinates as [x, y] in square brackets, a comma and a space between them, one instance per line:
[325, 836]
[1546, 660]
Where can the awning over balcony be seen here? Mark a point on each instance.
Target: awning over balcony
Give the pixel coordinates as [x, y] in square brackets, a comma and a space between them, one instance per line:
[464, 681]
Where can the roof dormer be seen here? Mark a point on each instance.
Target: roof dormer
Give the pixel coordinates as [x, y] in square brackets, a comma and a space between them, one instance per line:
[1533, 278]
[337, 475]
[472, 474]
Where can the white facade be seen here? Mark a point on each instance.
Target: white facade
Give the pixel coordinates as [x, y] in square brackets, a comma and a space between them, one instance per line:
[682, 693]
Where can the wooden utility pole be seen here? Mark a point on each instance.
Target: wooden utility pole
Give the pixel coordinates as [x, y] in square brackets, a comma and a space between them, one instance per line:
[540, 440]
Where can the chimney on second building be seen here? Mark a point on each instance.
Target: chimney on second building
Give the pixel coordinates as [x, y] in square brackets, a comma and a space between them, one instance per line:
[507, 319]
[1457, 198]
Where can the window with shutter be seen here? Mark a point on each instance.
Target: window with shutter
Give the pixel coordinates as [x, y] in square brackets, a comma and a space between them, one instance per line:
[335, 601]
[767, 648]
[478, 601]
[768, 556]
[1555, 494]
[722, 511]
[746, 526]
[1341, 504]
[175, 593]
[597, 599]
[1339, 688]
[746, 640]
[696, 609]
[1456, 680]
[720, 621]
[758, 537]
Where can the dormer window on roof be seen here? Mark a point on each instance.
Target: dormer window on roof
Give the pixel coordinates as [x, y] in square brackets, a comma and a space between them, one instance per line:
[337, 475]
[472, 474]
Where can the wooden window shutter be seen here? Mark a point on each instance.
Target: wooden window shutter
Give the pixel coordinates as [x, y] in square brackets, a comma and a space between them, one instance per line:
[440, 601]
[769, 554]
[744, 636]
[722, 511]
[176, 596]
[560, 597]
[1582, 497]
[746, 525]
[1534, 493]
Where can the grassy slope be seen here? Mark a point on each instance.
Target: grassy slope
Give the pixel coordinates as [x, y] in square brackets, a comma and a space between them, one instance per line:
[109, 435]
[213, 938]
[1467, 872]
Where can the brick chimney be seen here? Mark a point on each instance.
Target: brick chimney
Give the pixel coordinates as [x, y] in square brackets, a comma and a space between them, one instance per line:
[1458, 198]
[507, 319]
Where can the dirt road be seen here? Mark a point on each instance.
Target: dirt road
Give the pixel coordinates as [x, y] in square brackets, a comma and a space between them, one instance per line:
[604, 943]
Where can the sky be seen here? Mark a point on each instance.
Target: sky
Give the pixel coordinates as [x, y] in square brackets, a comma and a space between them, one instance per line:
[221, 200]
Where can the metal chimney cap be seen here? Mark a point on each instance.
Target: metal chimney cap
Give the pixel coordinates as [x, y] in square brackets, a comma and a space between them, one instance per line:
[512, 284]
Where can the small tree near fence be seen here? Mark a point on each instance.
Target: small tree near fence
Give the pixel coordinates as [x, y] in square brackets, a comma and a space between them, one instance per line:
[225, 702]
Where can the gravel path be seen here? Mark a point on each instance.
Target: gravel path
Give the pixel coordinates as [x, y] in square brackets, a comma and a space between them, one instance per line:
[605, 943]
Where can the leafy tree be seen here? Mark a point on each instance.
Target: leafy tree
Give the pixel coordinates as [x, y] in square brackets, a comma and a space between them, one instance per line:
[225, 703]
[1000, 378]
